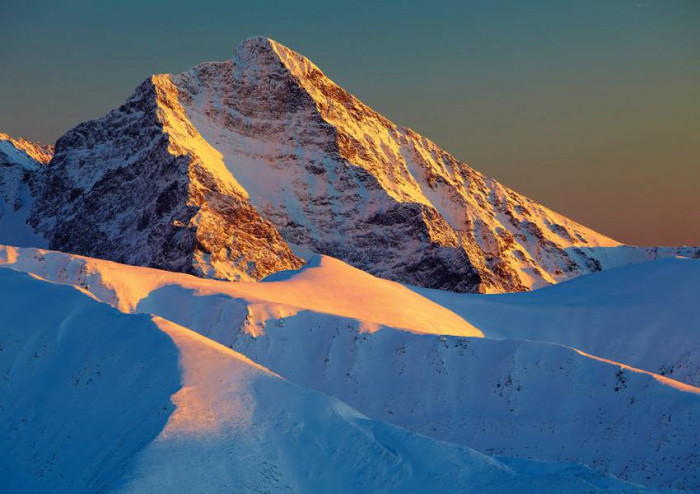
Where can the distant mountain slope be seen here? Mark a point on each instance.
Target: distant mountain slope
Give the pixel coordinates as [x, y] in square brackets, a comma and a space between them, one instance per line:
[19, 160]
[213, 171]
[94, 401]
[20, 151]
[318, 327]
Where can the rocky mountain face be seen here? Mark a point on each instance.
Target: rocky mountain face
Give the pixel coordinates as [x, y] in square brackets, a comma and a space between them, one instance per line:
[218, 171]
[141, 186]
[335, 176]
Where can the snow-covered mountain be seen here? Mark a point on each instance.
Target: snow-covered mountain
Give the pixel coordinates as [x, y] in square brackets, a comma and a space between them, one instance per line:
[223, 170]
[27, 154]
[19, 161]
[92, 400]
[398, 358]
[341, 359]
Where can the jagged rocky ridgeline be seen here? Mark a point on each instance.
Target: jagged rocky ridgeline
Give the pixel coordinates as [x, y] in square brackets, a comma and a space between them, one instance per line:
[20, 161]
[221, 170]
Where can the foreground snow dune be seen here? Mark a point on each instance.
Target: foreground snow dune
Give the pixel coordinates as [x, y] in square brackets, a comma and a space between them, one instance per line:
[93, 400]
[531, 399]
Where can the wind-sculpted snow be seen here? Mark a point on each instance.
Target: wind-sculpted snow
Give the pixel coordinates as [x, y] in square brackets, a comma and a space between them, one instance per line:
[95, 401]
[511, 398]
[215, 170]
[515, 398]
[326, 287]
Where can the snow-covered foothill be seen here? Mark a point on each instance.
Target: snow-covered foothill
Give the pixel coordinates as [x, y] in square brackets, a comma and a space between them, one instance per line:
[324, 287]
[645, 315]
[508, 396]
[98, 401]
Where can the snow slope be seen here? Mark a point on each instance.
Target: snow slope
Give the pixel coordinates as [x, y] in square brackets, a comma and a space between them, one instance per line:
[326, 288]
[645, 315]
[507, 397]
[94, 400]
[82, 387]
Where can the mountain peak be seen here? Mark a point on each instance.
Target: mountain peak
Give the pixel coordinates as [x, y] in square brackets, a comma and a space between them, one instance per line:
[257, 49]
[218, 170]
[256, 41]
[261, 51]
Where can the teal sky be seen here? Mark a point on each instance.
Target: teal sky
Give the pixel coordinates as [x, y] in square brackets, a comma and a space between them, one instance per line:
[590, 107]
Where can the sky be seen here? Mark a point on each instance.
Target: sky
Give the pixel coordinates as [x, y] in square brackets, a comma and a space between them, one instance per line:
[590, 107]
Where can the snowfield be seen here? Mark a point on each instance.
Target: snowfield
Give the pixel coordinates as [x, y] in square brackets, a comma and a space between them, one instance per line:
[324, 286]
[94, 400]
[336, 330]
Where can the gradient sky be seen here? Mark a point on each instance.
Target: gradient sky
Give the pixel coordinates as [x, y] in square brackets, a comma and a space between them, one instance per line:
[590, 107]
